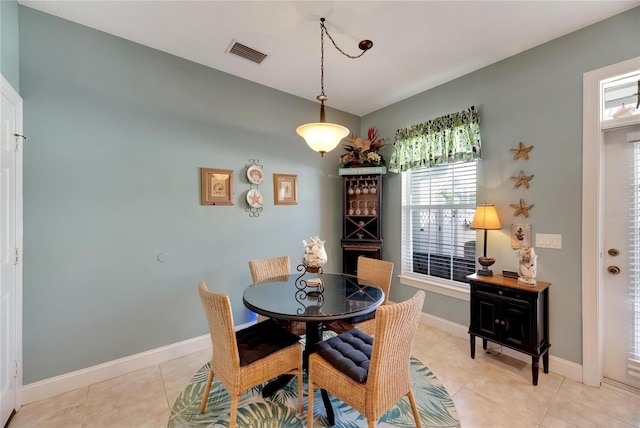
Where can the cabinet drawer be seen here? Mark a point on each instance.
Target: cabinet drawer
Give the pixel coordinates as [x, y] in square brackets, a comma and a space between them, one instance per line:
[502, 292]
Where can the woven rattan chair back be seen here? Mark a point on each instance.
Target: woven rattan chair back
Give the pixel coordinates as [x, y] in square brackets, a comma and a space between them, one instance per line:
[396, 326]
[388, 378]
[273, 269]
[374, 271]
[225, 357]
[378, 272]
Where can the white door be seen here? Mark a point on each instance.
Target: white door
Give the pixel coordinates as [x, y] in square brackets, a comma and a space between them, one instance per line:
[621, 254]
[10, 245]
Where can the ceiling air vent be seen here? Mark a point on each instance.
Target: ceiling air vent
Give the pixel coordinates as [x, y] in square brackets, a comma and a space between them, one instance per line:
[246, 52]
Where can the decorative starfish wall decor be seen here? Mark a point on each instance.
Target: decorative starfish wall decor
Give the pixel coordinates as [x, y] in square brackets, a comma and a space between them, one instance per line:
[522, 179]
[521, 151]
[521, 208]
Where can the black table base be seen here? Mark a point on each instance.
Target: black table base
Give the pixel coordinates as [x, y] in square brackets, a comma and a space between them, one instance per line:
[313, 337]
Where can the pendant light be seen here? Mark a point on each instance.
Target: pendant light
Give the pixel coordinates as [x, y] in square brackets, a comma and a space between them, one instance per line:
[323, 136]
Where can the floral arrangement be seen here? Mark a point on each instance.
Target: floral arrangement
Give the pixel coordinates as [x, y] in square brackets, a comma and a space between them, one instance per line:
[363, 152]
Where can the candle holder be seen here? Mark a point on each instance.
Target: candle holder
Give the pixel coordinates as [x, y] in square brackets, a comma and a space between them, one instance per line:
[315, 283]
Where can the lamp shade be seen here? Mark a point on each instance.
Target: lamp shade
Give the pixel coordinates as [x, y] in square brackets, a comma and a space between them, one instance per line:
[486, 217]
[322, 136]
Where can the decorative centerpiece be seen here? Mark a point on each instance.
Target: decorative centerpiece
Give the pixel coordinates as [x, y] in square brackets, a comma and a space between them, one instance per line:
[313, 258]
[363, 152]
[527, 266]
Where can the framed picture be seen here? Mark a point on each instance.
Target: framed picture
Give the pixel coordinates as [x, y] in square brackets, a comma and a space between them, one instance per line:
[520, 235]
[285, 189]
[216, 186]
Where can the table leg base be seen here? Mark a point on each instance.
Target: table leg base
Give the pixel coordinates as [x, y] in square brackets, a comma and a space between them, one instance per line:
[270, 388]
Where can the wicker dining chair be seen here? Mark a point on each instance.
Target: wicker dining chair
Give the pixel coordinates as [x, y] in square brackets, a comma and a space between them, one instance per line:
[249, 357]
[371, 374]
[377, 272]
[275, 269]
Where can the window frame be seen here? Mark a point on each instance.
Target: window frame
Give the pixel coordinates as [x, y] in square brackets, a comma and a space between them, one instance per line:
[451, 288]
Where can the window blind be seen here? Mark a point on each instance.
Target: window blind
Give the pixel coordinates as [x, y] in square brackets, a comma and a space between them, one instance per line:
[633, 362]
[438, 206]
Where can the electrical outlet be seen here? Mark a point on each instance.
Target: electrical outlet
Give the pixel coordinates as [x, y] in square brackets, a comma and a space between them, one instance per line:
[546, 240]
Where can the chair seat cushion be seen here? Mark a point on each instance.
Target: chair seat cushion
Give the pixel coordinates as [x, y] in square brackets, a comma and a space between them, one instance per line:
[348, 352]
[262, 339]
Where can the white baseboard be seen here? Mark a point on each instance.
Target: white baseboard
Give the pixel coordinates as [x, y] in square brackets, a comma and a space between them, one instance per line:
[557, 365]
[67, 382]
[64, 383]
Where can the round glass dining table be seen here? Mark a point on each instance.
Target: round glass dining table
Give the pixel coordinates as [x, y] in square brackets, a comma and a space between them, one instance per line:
[295, 297]
[298, 297]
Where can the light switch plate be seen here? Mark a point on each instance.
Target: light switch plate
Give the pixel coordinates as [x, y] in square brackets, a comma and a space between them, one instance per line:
[547, 240]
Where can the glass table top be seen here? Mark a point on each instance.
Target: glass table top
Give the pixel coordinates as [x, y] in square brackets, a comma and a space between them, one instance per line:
[286, 298]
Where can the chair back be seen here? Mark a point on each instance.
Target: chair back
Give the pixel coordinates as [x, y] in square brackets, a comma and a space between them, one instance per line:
[396, 325]
[225, 360]
[273, 269]
[378, 272]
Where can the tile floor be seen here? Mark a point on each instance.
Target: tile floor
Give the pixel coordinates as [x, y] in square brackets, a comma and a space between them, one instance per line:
[490, 391]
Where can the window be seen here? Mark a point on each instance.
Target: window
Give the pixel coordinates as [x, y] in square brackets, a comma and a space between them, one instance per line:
[438, 204]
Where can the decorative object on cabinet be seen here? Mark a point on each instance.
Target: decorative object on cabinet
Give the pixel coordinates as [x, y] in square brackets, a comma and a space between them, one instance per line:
[511, 315]
[521, 208]
[527, 266]
[363, 152]
[522, 179]
[362, 215]
[521, 152]
[285, 189]
[520, 235]
[323, 136]
[216, 186]
[255, 199]
[486, 218]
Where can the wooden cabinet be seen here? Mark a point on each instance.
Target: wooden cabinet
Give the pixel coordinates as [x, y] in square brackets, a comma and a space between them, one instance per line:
[512, 315]
[362, 215]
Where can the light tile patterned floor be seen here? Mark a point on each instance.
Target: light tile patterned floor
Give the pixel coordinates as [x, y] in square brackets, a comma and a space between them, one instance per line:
[490, 391]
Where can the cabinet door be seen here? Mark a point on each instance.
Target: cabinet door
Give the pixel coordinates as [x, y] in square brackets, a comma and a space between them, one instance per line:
[517, 324]
[487, 317]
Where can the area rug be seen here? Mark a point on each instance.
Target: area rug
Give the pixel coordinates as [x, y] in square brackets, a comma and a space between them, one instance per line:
[435, 406]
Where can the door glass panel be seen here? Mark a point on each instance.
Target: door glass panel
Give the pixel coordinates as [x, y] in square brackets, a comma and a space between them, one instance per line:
[620, 97]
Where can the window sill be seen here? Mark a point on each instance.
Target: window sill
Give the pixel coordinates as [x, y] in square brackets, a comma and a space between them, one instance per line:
[443, 287]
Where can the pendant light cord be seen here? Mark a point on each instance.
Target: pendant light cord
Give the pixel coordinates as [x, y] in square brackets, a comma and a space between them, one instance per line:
[365, 45]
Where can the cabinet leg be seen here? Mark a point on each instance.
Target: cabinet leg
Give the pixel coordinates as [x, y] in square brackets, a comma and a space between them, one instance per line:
[545, 362]
[472, 343]
[484, 344]
[535, 362]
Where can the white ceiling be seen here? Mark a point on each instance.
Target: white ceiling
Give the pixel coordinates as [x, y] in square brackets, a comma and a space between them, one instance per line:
[417, 44]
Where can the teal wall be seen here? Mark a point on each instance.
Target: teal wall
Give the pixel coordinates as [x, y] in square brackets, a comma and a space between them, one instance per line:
[9, 51]
[117, 134]
[534, 97]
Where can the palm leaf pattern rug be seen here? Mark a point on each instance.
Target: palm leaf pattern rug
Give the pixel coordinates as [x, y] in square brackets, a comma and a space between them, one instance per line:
[435, 406]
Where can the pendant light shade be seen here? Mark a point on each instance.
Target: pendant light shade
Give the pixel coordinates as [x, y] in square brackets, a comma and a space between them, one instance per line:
[322, 137]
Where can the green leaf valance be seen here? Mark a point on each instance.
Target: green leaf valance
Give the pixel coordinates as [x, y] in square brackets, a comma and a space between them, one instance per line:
[447, 139]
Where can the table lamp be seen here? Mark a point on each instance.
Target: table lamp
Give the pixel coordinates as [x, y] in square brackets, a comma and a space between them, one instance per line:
[486, 218]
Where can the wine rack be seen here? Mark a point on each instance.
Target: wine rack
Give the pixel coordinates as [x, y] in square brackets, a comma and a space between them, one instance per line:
[362, 215]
